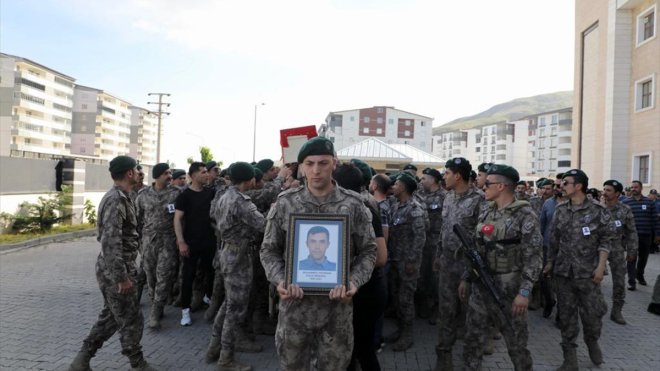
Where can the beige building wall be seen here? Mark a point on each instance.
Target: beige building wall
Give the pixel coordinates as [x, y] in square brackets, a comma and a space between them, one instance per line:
[610, 135]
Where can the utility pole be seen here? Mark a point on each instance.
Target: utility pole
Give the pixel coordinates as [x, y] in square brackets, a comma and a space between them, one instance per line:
[160, 114]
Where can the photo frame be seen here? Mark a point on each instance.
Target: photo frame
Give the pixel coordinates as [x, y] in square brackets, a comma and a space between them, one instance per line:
[317, 257]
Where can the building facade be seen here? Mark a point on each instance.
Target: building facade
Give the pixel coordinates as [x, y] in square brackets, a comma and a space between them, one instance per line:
[101, 124]
[550, 143]
[390, 125]
[35, 108]
[144, 135]
[616, 131]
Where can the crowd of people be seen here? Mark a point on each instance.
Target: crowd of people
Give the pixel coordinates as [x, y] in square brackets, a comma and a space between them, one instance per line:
[220, 240]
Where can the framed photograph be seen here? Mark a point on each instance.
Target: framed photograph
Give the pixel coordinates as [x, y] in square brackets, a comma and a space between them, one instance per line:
[317, 257]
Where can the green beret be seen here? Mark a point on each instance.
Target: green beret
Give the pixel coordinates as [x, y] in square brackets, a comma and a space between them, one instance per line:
[408, 181]
[546, 182]
[458, 163]
[223, 173]
[241, 171]
[539, 182]
[120, 164]
[505, 171]
[577, 173]
[615, 184]
[434, 173]
[258, 174]
[159, 169]
[177, 173]
[265, 165]
[484, 166]
[473, 175]
[210, 165]
[410, 167]
[364, 169]
[315, 147]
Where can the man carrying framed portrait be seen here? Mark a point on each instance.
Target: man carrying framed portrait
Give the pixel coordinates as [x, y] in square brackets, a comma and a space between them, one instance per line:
[316, 317]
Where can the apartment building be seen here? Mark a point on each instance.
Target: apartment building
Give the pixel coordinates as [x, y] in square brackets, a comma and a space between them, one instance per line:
[144, 135]
[35, 108]
[496, 144]
[616, 134]
[550, 142]
[101, 124]
[389, 125]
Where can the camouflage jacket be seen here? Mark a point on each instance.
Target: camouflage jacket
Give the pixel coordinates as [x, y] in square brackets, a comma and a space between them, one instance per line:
[264, 197]
[155, 210]
[339, 201]
[432, 202]
[407, 232]
[117, 233]
[459, 209]
[237, 219]
[577, 234]
[510, 240]
[537, 204]
[623, 223]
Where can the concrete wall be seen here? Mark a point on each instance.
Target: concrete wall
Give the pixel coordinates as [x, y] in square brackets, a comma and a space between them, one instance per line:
[24, 176]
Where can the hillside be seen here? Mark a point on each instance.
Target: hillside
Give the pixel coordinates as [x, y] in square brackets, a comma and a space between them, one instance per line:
[512, 110]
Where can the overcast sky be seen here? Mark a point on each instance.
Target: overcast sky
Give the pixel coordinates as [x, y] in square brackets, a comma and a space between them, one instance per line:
[303, 58]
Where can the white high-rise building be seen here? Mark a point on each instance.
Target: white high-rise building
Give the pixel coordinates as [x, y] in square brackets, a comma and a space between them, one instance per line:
[390, 125]
[101, 124]
[35, 108]
[144, 135]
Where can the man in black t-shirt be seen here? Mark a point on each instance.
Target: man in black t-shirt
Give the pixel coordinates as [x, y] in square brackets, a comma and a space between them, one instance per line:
[194, 234]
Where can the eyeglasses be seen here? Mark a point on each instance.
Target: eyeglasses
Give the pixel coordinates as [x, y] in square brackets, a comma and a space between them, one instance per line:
[488, 183]
[566, 182]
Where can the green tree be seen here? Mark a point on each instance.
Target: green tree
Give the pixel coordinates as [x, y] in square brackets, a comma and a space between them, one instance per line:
[206, 154]
[190, 160]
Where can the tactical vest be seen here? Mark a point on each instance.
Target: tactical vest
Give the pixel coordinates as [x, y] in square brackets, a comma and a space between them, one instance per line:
[500, 253]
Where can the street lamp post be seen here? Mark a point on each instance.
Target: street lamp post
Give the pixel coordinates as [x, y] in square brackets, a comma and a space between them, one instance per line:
[254, 138]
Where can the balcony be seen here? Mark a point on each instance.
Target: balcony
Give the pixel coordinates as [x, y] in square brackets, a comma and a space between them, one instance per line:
[33, 120]
[39, 134]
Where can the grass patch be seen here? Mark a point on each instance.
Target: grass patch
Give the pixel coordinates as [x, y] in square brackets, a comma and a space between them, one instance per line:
[58, 229]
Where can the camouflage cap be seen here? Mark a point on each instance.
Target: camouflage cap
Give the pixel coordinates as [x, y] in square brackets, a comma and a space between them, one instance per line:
[505, 171]
[315, 147]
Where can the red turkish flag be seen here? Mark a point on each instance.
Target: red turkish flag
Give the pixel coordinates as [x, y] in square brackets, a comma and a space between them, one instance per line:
[487, 229]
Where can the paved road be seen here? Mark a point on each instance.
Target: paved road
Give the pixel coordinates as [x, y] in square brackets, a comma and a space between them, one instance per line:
[49, 300]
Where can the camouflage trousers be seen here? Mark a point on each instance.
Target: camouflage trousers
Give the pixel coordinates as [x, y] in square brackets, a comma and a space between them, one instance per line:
[314, 327]
[402, 289]
[427, 284]
[160, 263]
[483, 312]
[259, 293]
[236, 266]
[579, 297]
[218, 280]
[121, 312]
[618, 269]
[450, 310]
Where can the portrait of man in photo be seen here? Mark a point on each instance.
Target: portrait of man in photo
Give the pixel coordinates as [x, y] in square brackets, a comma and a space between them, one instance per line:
[318, 241]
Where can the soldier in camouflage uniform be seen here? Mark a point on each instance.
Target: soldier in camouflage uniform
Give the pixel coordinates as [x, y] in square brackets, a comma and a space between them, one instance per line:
[580, 240]
[510, 241]
[432, 200]
[463, 205]
[547, 191]
[238, 222]
[155, 215]
[624, 245]
[317, 326]
[406, 244]
[116, 271]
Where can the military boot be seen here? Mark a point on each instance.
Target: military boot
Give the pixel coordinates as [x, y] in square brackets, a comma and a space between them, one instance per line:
[155, 315]
[213, 351]
[226, 362]
[81, 362]
[444, 362]
[246, 345]
[615, 314]
[570, 359]
[489, 347]
[594, 352]
[143, 366]
[394, 335]
[405, 340]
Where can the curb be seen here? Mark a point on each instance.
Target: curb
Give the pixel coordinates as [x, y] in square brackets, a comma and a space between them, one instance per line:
[47, 239]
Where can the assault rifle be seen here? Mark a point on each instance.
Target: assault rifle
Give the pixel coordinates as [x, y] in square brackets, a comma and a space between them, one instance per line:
[480, 269]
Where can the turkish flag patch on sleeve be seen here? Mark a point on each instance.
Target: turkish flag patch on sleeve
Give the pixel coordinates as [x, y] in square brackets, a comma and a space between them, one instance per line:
[487, 229]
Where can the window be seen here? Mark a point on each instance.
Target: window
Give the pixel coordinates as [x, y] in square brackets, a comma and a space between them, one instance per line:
[379, 109]
[379, 120]
[565, 163]
[407, 133]
[478, 149]
[555, 119]
[646, 25]
[541, 132]
[379, 131]
[365, 130]
[83, 106]
[390, 121]
[553, 131]
[422, 123]
[366, 119]
[352, 118]
[644, 93]
[408, 123]
[642, 168]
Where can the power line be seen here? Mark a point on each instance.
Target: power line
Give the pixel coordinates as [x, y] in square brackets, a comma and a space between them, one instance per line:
[160, 114]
